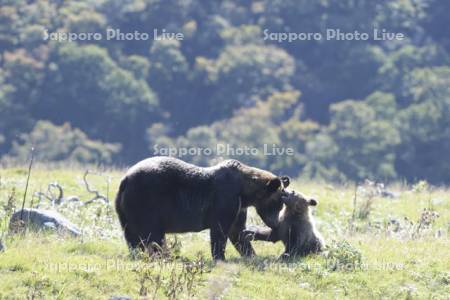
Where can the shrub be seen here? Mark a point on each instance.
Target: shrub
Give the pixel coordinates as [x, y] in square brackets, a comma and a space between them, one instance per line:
[61, 143]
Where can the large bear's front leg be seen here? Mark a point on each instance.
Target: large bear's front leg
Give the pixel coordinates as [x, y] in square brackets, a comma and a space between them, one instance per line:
[224, 215]
[237, 236]
[261, 234]
[218, 241]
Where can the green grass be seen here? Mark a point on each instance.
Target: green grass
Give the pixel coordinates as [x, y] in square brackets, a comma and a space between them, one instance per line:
[394, 265]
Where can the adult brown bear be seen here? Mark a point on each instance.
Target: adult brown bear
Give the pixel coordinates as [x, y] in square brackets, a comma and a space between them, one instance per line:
[162, 195]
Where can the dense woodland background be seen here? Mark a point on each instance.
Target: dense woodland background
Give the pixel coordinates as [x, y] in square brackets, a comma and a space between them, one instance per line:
[350, 109]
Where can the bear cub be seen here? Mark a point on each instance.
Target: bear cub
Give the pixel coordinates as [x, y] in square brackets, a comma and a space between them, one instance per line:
[295, 227]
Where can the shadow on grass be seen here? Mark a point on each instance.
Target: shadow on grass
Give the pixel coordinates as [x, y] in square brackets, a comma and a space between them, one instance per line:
[261, 263]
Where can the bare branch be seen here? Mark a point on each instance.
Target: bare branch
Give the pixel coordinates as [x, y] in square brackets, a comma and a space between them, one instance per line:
[91, 190]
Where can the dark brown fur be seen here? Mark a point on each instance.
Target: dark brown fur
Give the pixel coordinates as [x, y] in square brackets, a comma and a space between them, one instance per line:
[163, 195]
[295, 227]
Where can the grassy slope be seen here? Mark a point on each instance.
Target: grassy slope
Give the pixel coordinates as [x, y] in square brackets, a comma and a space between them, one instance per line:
[99, 265]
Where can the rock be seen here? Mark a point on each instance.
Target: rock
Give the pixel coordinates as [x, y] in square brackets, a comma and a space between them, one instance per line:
[389, 194]
[2, 246]
[40, 219]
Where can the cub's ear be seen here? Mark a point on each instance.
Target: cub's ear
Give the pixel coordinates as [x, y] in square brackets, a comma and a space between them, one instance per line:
[312, 202]
[273, 184]
[286, 181]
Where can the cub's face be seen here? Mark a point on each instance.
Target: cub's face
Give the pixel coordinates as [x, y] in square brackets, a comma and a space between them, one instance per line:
[297, 202]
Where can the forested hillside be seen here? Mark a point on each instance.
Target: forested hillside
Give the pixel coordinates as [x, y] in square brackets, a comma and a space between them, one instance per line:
[349, 109]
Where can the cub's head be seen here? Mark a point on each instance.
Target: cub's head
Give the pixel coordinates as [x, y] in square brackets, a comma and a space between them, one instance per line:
[297, 202]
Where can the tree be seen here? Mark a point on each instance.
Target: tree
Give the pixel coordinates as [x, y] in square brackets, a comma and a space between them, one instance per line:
[19, 93]
[346, 68]
[393, 75]
[252, 72]
[61, 143]
[169, 69]
[425, 127]
[363, 142]
[9, 27]
[248, 129]
[88, 89]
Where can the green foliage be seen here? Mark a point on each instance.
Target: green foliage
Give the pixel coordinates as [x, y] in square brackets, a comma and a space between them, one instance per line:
[9, 26]
[61, 143]
[341, 255]
[251, 127]
[365, 142]
[86, 21]
[252, 72]
[120, 106]
[369, 109]
[424, 126]
[168, 69]
[138, 65]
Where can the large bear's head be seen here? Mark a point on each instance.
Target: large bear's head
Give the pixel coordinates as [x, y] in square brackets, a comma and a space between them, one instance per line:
[263, 190]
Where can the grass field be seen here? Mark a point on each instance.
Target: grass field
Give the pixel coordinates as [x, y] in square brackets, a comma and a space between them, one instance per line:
[381, 248]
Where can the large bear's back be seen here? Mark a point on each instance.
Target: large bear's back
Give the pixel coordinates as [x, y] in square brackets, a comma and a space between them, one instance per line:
[181, 192]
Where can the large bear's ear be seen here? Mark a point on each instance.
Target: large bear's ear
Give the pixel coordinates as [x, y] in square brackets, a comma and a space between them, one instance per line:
[312, 202]
[273, 184]
[286, 181]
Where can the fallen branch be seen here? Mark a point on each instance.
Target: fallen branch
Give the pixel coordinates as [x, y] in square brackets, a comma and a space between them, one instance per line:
[97, 194]
[50, 196]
